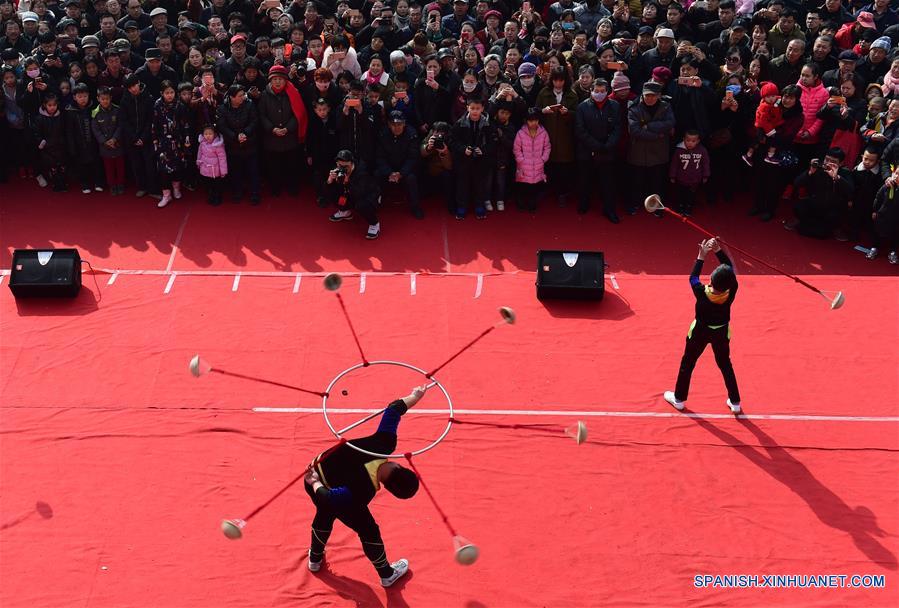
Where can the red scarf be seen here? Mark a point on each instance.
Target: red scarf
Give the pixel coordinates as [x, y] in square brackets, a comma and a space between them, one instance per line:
[299, 110]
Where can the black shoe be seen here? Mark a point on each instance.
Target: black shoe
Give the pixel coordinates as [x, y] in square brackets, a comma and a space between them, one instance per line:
[766, 217]
[613, 217]
[659, 214]
[322, 202]
[687, 212]
[254, 200]
[582, 209]
[791, 225]
[754, 211]
[632, 211]
[418, 213]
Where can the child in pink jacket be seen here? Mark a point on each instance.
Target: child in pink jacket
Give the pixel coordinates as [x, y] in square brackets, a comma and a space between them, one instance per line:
[531, 149]
[212, 163]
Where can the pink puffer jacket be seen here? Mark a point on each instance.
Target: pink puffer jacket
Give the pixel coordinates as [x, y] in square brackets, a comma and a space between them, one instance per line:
[531, 154]
[812, 100]
[211, 159]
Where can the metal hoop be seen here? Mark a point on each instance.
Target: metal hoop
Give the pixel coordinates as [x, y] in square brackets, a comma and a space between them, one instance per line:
[449, 401]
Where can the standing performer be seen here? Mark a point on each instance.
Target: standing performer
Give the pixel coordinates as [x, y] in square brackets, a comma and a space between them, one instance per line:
[342, 481]
[711, 326]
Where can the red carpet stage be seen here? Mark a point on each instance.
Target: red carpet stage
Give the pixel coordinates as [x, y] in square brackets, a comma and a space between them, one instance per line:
[117, 466]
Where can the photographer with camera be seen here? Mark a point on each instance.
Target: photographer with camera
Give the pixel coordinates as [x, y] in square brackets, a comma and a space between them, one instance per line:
[470, 138]
[397, 159]
[350, 189]
[439, 164]
[829, 188]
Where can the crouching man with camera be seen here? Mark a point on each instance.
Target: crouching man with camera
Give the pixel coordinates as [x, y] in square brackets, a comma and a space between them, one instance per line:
[351, 190]
[828, 188]
[438, 164]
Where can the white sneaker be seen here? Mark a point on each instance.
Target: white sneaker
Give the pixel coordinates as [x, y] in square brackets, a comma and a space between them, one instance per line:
[165, 200]
[85, 191]
[734, 407]
[893, 258]
[374, 231]
[314, 566]
[339, 216]
[41, 181]
[98, 188]
[500, 206]
[488, 206]
[872, 253]
[670, 398]
[400, 568]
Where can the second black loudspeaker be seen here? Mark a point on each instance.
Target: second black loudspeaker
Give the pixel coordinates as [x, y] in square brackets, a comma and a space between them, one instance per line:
[570, 275]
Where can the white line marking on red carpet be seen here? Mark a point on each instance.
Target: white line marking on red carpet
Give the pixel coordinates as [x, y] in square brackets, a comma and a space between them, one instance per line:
[591, 414]
[480, 287]
[296, 283]
[236, 282]
[412, 283]
[362, 283]
[112, 278]
[168, 286]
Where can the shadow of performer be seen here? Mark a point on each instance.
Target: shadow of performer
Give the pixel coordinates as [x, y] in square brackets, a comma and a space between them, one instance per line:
[361, 593]
[860, 523]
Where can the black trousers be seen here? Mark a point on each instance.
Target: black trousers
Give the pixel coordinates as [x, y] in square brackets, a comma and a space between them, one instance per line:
[142, 162]
[685, 197]
[281, 168]
[699, 337]
[409, 183]
[595, 175]
[359, 521]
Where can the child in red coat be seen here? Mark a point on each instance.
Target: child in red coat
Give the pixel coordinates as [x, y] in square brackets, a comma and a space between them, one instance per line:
[768, 117]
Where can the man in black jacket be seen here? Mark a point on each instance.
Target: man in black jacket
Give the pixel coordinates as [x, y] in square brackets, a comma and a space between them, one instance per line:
[829, 189]
[80, 139]
[469, 143]
[136, 118]
[342, 481]
[397, 159]
[349, 188]
[597, 130]
[710, 326]
[154, 72]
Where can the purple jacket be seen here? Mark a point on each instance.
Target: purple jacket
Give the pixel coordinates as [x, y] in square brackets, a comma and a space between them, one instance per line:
[531, 154]
[211, 159]
[689, 167]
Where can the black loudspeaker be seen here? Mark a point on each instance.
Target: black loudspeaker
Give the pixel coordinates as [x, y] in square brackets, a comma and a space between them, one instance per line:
[45, 273]
[570, 275]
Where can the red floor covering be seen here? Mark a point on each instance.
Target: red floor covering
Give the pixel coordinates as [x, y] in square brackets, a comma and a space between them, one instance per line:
[116, 465]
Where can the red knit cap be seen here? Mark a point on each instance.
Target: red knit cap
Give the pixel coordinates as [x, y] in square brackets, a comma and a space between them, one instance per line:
[277, 70]
[769, 88]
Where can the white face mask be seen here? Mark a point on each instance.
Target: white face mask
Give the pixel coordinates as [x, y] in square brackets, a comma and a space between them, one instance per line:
[598, 97]
[468, 87]
[526, 81]
[33, 73]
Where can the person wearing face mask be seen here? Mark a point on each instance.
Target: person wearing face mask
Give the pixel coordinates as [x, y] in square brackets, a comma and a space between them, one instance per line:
[322, 86]
[597, 129]
[526, 89]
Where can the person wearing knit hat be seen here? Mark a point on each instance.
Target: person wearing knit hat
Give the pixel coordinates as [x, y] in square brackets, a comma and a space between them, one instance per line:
[620, 82]
[662, 75]
[768, 117]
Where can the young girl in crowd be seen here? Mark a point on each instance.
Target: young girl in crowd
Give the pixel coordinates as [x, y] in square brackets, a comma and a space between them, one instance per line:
[532, 150]
[171, 142]
[51, 142]
[212, 163]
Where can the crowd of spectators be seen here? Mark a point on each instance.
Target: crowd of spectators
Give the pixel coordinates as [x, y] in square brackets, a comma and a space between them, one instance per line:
[481, 103]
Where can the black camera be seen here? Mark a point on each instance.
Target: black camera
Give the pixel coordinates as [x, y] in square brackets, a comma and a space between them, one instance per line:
[439, 143]
[340, 172]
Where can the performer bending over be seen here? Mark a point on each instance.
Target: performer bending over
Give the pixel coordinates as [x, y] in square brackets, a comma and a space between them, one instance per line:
[711, 326]
[342, 481]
